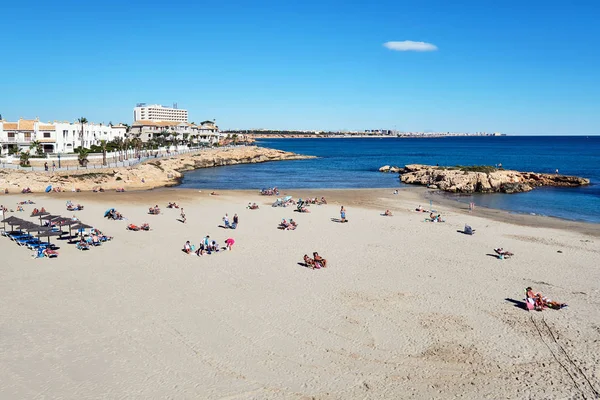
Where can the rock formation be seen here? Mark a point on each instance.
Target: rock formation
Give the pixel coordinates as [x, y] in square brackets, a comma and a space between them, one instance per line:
[482, 179]
[149, 174]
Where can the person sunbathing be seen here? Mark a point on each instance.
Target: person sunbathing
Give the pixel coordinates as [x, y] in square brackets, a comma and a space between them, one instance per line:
[387, 213]
[309, 262]
[319, 260]
[50, 253]
[95, 240]
[133, 227]
[214, 194]
[540, 301]
[292, 225]
[323, 201]
[145, 227]
[284, 224]
[502, 254]
[254, 206]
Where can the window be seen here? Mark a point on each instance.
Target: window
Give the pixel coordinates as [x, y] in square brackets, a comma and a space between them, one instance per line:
[46, 135]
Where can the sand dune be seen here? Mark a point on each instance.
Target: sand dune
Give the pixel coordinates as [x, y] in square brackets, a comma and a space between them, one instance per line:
[405, 309]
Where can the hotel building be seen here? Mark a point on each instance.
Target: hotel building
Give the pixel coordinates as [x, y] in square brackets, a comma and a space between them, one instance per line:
[156, 112]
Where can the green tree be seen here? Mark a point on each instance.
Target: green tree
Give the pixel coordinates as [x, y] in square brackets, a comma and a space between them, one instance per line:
[37, 146]
[83, 156]
[24, 159]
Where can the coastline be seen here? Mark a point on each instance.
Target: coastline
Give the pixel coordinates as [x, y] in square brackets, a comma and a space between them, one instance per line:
[369, 198]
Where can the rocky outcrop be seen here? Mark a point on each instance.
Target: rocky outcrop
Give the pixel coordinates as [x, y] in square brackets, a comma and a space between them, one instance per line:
[483, 179]
[387, 168]
[150, 174]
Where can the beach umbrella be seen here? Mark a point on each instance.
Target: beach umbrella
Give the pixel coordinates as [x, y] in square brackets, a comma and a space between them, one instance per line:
[12, 220]
[81, 227]
[48, 233]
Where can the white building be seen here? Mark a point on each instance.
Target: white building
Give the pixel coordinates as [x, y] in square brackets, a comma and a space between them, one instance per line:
[55, 137]
[156, 112]
[205, 133]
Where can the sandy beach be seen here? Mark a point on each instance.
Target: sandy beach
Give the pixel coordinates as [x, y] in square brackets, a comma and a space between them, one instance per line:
[405, 308]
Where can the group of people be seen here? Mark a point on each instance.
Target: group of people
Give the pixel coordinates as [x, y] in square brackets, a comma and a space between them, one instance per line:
[97, 189]
[207, 246]
[300, 206]
[232, 225]
[36, 211]
[154, 210]
[73, 207]
[143, 227]
[315, 200]
[270, 192]
[538, 302]
[113, 214]
[287, 226]
[316, 262]
[172, 205]
[252, 206]
[25, 190]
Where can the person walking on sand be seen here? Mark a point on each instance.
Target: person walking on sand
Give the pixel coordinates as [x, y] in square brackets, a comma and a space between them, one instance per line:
[183, 219]
[53, 166]
[342, 214]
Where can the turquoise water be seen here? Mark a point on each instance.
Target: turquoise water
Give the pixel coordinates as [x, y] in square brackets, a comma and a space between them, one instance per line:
[354, 163]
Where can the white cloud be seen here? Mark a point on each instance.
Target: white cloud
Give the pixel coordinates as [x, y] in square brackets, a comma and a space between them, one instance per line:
[409, 45]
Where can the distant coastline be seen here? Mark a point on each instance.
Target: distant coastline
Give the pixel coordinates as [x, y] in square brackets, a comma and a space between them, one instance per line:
[357, 136]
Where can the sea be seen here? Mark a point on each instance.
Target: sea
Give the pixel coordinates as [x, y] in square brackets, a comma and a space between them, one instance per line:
[349, 163]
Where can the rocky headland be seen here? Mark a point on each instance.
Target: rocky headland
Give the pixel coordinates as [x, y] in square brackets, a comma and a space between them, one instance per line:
[480, 179]
[147, 175]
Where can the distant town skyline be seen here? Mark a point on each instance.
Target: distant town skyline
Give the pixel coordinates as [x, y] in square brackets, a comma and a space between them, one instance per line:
[521, 68]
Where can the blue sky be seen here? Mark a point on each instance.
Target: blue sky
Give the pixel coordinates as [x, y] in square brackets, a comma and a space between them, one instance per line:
[518, 67]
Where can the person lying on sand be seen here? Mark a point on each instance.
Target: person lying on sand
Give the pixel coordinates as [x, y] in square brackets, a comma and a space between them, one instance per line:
[387, 213]
[50, 253]
[283, 224]
[502, 254]
[540, 301]
[309, 261]
[214, 193]
[319, 260]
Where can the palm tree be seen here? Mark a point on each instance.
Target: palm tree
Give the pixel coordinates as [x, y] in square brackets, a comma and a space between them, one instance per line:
[82, 121]
[24, 159]
[136, 143]
[37, 146]
[103, 145]
[83, 156]
[118, 141]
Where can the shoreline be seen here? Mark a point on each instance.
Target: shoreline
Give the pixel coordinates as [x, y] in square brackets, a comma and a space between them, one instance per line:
[369, 198]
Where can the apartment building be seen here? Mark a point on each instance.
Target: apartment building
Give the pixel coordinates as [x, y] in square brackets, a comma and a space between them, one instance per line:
[207, 132]
[55, 137]
[156, 112]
